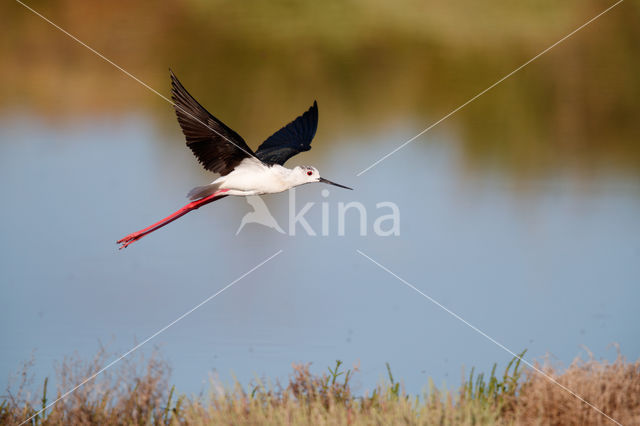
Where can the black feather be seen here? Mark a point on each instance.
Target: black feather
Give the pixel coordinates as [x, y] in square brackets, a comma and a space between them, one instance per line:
[292, 139]
[217, 147]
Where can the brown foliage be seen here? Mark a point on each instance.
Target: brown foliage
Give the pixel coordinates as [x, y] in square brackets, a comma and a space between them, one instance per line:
[614, 388]
[136, 392]
[133, 391]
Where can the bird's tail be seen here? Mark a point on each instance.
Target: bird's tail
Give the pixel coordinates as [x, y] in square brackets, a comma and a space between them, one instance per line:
[203, 191]
[167, 220]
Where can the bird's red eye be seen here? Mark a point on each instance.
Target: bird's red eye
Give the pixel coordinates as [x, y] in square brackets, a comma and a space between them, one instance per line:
[309, 173]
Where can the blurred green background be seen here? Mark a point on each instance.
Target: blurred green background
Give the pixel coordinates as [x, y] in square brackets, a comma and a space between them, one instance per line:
[369, 63]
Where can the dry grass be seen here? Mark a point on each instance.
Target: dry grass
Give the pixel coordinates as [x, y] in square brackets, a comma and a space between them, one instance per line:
[133, 392]
[614, 388]
[137, 392]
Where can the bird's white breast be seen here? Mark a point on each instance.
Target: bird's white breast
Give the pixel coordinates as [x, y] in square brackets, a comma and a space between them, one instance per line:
[252, 177]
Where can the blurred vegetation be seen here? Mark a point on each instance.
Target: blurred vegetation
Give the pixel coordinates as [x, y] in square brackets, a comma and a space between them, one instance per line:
[137, 392]
[370, 64]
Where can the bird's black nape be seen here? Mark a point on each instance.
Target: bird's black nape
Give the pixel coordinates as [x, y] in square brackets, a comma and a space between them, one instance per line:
[292, 139]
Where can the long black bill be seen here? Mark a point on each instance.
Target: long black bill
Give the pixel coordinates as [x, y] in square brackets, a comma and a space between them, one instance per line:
[333, 183]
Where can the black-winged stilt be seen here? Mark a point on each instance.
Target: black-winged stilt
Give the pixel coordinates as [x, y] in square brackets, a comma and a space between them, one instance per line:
[242, 172]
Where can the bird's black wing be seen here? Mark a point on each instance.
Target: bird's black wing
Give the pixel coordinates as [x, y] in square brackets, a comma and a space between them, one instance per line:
[217, 147]
[292, 139]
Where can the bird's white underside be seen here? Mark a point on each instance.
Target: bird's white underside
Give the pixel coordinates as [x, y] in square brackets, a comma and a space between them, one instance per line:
[253, 177]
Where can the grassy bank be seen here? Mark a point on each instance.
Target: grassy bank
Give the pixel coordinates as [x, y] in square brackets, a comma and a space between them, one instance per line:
[138, 392]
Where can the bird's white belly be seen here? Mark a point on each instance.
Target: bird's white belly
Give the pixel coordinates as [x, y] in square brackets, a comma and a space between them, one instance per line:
[254, 178]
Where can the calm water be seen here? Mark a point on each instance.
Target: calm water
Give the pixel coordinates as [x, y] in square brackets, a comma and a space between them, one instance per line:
[543, 264]
[519, 213]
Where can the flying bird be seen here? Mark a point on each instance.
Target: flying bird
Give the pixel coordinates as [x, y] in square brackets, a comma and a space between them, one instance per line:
[242, 171]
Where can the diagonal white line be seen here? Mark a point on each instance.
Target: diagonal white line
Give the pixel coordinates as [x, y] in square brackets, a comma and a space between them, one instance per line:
[134, 77]
[500, 345]
[488, 88]
[93, 376]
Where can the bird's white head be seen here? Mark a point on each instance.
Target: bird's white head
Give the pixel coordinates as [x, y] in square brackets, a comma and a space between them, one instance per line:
[309, 174]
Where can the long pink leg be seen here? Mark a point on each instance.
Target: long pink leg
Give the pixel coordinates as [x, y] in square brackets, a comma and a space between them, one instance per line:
[167, 220]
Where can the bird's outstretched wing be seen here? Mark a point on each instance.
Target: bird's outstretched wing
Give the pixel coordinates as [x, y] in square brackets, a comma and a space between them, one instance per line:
[292, 139]
[216, 146]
